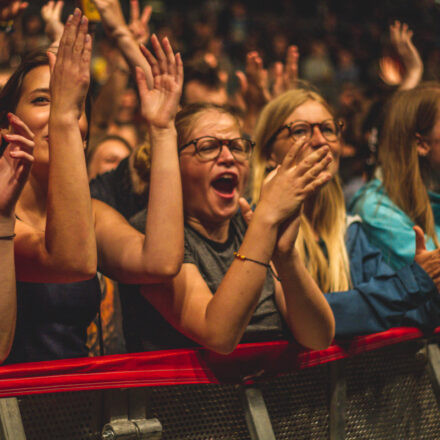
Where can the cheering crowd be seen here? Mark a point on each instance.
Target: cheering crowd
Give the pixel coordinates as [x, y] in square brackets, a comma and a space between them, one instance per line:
[215, 215]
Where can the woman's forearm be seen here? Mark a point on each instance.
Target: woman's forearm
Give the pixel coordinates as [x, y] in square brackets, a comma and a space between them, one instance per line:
[8, 299]
[70, 239]
[231, 308]
[130, 50]
[163, 246]
[303, 304]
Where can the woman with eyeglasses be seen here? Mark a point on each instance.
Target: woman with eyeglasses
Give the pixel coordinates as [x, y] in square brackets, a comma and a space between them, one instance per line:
[406, 189]
[365, 294]
[227, 290]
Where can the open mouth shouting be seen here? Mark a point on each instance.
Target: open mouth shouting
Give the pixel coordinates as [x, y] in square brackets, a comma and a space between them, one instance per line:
[225, 185]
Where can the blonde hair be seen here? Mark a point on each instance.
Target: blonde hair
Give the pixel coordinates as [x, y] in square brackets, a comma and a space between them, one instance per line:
[186, 120]
[331, 272]
[411, 113]
[188, 116]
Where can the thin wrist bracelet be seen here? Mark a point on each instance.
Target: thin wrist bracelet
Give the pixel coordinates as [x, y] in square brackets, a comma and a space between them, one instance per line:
[268, 266]
[7, 26]
[7, 237]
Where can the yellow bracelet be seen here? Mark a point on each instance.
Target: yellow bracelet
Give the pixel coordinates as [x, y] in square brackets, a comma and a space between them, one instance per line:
[268, 266]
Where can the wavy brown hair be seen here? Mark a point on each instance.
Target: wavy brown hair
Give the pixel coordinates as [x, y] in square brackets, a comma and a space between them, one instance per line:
[411, 115]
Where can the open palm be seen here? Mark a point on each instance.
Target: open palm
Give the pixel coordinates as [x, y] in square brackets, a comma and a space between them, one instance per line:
[160, 103]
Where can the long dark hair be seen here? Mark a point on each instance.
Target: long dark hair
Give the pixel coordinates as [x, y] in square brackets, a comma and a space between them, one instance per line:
[11, 92]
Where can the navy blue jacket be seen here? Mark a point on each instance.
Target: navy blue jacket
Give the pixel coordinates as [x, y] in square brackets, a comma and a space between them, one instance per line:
[382, 298]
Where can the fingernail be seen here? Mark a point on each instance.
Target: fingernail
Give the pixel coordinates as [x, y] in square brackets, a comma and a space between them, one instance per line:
[83, 19]
[69, 18]
[77, 12]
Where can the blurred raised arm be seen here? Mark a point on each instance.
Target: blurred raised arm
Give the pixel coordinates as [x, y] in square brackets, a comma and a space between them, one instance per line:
[401, 39]
[254, 91]
[10, 9]
[115, 25]
[51, 13]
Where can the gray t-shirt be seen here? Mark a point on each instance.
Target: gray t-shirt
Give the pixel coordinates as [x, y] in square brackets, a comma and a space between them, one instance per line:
[213, 260]
[144, 327]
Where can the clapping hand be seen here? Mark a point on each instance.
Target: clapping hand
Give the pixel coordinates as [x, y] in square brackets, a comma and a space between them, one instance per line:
[70, 68]
[15, 164]
[159, 104]
[428, 260]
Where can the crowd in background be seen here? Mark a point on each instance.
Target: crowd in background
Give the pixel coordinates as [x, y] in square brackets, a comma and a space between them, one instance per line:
[344, 49]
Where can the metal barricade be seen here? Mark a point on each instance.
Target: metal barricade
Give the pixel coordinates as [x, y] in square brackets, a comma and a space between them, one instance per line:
[386, 393]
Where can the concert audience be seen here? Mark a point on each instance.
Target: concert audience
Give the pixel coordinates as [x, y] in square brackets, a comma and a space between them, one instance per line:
[246, 276]
[55, 249]
[225, 291]
[370, 296]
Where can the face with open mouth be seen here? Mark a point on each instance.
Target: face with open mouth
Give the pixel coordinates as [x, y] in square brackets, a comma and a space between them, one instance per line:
[211, 188]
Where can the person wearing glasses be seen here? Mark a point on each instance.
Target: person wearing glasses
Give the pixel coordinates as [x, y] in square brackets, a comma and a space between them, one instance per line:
[365, 294]
[406, 189]
[227, 291]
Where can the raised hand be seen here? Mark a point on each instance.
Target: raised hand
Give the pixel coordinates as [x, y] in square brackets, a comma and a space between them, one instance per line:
[254, 86]
[111, 15]
[139, 22]
[159, 104]
[428, 260]
[115, 25]
[401, 38]
[51, 13]
[15, 164]
[390, 71]
[286, 76]
[70, 68]
[10, 9]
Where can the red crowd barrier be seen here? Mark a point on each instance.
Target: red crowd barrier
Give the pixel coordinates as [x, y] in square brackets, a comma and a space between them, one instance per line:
[188, 366]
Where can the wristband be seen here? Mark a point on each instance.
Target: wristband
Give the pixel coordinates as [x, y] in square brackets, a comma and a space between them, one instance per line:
[268, 266]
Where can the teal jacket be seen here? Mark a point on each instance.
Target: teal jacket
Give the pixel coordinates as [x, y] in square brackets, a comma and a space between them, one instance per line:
[387, 226]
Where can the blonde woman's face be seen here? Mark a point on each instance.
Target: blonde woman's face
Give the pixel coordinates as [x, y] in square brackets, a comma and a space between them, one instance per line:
[211, 188]
[314, 113]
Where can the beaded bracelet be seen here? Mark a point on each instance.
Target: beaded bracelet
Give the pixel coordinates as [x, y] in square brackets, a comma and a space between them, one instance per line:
[268, 266]
[7, 26]
[8, 237]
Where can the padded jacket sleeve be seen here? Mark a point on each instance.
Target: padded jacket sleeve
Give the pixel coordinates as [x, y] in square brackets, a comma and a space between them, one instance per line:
[382, 298]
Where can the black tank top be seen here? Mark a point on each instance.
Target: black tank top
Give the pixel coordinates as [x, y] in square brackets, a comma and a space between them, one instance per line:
[52, 320]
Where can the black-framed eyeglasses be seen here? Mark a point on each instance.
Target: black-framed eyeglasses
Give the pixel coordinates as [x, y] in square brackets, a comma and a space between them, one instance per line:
[330, 129]
[210, 147]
